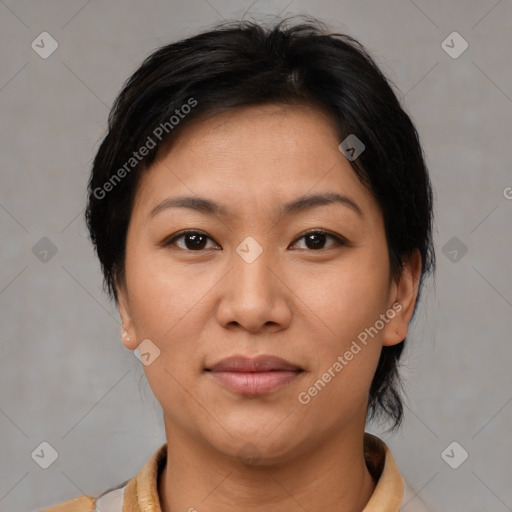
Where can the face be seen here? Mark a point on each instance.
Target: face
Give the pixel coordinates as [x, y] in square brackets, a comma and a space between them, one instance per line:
[287, 258]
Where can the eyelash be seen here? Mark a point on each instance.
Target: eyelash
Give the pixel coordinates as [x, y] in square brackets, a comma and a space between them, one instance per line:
[339, 241]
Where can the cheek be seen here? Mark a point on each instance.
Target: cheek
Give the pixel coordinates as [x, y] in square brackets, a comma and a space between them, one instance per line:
[349, 301]
[162, 293]
[166, 306]
[164, 302]
[349, 297]
[344, 363]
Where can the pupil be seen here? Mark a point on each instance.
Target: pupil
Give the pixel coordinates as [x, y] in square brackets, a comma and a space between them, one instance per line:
[318, 243]
[196, 241]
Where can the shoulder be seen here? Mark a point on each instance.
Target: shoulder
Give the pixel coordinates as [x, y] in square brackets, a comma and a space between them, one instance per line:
[140, 489]
[392, 491]
[81, 504]
[110, 501]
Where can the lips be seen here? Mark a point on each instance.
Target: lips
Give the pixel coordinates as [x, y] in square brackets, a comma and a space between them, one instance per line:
[261, 363]
[254, 376]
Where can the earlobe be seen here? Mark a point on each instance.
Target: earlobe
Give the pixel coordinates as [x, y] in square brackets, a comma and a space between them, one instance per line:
[126, 339]
[406, 289]
[128, 335]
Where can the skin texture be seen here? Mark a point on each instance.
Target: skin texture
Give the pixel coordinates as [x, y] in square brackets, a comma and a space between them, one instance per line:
[295, 301]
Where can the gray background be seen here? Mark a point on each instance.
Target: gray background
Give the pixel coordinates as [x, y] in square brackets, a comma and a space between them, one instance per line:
[65, 376]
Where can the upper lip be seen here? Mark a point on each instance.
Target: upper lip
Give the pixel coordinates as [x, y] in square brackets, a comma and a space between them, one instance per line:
[262, 363]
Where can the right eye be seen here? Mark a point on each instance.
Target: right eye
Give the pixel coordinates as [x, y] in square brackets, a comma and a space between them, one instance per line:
[191, 240]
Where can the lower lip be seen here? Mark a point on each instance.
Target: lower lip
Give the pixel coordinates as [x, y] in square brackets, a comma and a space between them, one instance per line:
[255, 383]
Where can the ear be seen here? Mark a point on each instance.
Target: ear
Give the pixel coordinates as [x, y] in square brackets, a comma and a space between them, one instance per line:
[404, 294]
[128, 334]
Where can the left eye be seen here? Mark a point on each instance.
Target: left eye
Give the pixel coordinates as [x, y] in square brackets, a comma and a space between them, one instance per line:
[315, 240]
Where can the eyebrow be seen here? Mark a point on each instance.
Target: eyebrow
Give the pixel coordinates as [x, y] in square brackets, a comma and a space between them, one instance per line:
[296, 206]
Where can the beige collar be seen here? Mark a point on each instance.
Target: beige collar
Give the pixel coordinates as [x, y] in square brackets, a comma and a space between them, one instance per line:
[141, 493]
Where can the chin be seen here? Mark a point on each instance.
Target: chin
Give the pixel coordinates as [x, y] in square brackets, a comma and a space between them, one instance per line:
[255, 446]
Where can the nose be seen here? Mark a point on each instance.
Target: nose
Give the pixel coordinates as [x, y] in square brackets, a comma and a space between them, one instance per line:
[253, 296]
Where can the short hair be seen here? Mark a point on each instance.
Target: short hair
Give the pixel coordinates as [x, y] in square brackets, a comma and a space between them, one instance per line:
[243, 63]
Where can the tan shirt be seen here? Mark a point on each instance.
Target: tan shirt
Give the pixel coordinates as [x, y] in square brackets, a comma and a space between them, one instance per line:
[140, 494]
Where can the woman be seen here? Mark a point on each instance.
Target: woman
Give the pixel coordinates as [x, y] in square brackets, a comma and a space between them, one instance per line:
[262, 213]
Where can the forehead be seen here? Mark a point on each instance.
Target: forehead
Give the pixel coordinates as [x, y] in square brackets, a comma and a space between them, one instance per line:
[270, 129]
[254, 155]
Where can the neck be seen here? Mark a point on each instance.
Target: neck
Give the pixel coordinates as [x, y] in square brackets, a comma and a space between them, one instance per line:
[329, 476]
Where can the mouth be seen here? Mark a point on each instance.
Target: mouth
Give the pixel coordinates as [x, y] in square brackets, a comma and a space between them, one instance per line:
[254, 376]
